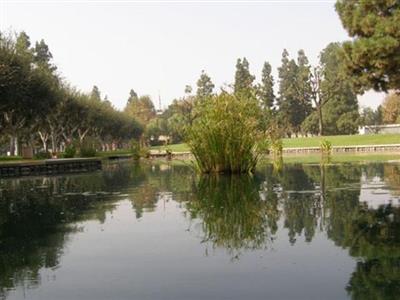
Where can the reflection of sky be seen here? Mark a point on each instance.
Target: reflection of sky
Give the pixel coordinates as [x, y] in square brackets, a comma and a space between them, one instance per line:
[375, 192]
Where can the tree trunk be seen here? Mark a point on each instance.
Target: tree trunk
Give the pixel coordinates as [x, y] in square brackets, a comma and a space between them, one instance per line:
[12, 144]
[320, 121]
[44, 137]
[16, 148]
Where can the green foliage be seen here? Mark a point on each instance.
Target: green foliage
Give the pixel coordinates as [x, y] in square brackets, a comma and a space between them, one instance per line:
[144, 152]
[294, 99]
[335, 102]
[70, 151]
[265, 89]
[88, 147]
[243, 84]
[142, 108]
[38, 106]
[42, 155]
[391, 108]
[232, 213]
[224, 136]
[135, 150]
[373, 55]
[276, 147]
[204, 86]
[369, 116]
[95, 95]
[326, 147]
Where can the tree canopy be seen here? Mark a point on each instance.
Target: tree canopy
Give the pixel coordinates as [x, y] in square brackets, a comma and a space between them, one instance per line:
[373, 55]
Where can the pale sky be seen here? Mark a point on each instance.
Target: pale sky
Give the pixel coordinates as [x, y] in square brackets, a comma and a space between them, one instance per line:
[158, 47]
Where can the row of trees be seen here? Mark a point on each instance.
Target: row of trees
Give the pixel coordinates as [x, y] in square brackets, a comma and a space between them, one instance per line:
[310, 100]
[319, 99]
[38, 108]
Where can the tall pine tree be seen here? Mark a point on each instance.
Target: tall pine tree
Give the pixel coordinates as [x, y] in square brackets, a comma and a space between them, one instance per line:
[205, 86]
[243, 79]
[266, 88]
[294, 92]
[372, 57]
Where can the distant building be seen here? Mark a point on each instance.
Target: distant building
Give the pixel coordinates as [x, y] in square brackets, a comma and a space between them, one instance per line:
[371, 129]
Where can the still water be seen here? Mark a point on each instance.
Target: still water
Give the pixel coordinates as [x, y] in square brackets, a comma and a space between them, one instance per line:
[159, 231]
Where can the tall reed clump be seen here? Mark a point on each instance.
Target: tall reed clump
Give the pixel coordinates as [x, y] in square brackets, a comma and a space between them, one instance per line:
[326, 151]
[224, 136]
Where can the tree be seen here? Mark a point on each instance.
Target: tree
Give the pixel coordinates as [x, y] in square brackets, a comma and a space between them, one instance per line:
[373, 56]
[37, 106]
[266, 88]
[142, 109]
[294, 92]
[204, 86]
[303, 83]
[132, 96]
[188, 89]
[369, 116]
[391, 108]
[95, 94]
[43, 56]
[335, 102]
[27, 90]
[243, 79]
[23, 45]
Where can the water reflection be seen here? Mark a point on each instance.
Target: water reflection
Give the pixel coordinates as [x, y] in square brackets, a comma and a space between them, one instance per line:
[232, 213]
[38, 216]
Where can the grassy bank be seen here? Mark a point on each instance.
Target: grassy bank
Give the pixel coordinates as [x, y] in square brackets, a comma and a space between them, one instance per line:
[343, 140]
[337, 140]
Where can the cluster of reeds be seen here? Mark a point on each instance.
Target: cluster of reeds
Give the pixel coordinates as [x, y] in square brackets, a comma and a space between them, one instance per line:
[326, 151]
[223, 138]
[326, 147]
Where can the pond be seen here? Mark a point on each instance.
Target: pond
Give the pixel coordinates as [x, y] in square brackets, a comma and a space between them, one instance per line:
[159, 231]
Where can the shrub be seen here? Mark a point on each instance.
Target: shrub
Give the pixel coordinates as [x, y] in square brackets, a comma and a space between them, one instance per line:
[70, 151]
[135, 149]
[42, 155]
[144, 152]
[224, 136]
[87, 147]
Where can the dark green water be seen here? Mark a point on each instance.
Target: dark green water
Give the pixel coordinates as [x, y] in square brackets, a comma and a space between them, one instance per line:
[161, 232]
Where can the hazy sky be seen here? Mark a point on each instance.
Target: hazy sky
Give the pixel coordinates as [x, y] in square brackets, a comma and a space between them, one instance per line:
[158, 47]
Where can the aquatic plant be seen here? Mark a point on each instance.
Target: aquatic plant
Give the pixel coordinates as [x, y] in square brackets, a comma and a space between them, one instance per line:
[224, 137]
[326, 147]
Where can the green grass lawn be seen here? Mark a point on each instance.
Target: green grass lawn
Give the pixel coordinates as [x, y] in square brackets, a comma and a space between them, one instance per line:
[337, 140]
[343, 140]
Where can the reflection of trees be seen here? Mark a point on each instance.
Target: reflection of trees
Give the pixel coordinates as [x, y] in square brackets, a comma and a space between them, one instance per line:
[232, 214]
[37, 215]
[392, 178]
[376, 279]
[156, 180]
[237, 213]
[372, 235]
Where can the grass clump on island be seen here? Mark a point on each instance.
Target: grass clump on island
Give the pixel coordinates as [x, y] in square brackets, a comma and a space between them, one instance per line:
[225, 136]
